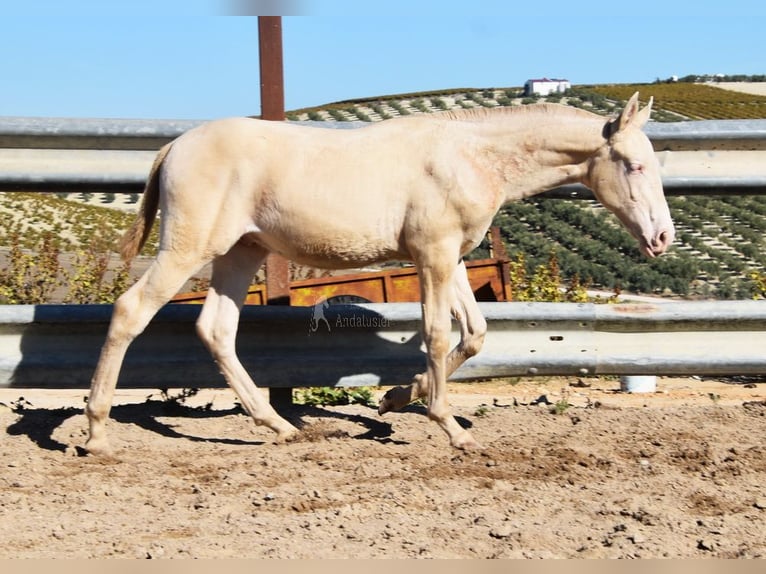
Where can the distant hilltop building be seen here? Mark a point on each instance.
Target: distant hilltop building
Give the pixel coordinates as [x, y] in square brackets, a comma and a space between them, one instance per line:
[545, 87]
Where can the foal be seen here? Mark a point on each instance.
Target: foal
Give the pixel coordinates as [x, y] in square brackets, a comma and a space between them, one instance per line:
[423, 189]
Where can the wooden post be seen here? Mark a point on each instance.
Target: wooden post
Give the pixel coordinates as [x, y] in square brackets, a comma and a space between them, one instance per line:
[273, 108]
[272, 77]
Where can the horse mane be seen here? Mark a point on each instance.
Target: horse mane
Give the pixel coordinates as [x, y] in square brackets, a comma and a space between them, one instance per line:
[479, 114]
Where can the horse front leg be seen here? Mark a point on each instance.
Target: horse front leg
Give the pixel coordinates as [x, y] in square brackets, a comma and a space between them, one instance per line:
[437, 292]
[473, 328]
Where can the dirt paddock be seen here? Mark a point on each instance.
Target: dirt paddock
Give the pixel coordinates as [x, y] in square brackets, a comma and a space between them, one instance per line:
[676, 473]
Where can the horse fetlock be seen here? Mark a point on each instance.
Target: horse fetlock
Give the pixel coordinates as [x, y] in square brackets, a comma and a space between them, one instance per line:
[420, 383]
[439, 414]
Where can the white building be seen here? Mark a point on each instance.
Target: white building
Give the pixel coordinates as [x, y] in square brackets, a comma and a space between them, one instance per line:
[544, 86]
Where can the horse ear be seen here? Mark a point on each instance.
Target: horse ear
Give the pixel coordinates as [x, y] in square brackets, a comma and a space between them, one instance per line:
[643, 116]
[629, 114]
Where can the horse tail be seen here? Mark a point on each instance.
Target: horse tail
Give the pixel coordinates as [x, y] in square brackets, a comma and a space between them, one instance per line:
[135, 237]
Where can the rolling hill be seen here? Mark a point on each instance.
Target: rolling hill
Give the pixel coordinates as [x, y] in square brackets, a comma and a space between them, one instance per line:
[720, 240]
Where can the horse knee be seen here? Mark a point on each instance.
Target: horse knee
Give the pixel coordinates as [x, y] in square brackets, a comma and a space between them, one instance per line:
[206, 333]
[437, 342]
[218, 339]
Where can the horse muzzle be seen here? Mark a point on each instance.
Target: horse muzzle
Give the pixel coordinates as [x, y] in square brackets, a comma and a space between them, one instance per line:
[657, 244]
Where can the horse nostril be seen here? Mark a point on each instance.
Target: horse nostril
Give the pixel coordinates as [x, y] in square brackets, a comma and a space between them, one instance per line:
[662, 240]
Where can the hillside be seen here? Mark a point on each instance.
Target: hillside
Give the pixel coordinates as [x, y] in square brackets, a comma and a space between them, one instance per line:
[720, 239]
[676, 101]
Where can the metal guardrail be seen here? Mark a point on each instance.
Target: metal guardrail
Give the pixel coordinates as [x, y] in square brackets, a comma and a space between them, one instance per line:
[43, 154]
[72, 154]
[57, 346]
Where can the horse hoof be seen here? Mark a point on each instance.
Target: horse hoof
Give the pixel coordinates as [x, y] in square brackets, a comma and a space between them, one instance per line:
[466, 442]
[394, 399]
[98, 448]
[287, 435]
[386, 402]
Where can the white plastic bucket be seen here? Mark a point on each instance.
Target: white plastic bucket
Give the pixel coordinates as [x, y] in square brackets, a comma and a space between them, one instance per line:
[638, 383]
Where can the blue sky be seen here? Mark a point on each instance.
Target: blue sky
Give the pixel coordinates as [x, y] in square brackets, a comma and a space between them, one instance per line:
[198, 59]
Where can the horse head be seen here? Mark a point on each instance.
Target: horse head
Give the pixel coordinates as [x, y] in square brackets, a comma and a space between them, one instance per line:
[624, 175]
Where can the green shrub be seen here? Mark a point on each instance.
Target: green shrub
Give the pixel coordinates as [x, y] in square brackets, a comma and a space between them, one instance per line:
[759, 284]
[327, 396]
[420, 105]
[30, 278]
[545, 284]
[439, 104]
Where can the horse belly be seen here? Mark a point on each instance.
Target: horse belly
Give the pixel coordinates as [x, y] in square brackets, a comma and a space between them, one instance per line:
[326, 246]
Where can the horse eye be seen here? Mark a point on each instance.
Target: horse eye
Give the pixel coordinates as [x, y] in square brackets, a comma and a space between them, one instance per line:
[635, 167]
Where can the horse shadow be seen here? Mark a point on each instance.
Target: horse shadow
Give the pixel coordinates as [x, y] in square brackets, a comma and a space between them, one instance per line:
[40, 424]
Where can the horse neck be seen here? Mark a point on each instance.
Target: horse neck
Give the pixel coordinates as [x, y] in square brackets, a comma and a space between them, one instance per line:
[539, 151]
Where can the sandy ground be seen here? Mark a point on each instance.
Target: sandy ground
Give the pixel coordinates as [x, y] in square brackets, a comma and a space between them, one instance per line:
[676, 473]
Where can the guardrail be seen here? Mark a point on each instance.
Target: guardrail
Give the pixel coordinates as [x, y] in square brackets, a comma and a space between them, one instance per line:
[57, 346]
[42, 154]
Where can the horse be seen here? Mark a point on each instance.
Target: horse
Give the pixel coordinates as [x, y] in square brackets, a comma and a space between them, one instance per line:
[421, 188]
[317, 315]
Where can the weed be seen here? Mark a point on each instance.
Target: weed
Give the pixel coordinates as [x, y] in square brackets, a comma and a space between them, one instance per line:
[481, 411]
[328, 396]
[544, 284]
[176, 404]
[30, 278]
[560, 407]
[758, 288]
[33, 275]
[20, 405]
[179, 398]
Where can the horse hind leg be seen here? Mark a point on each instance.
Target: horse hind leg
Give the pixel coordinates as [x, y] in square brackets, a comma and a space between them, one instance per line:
[473, 328]
[131, 314]
[217, 327]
